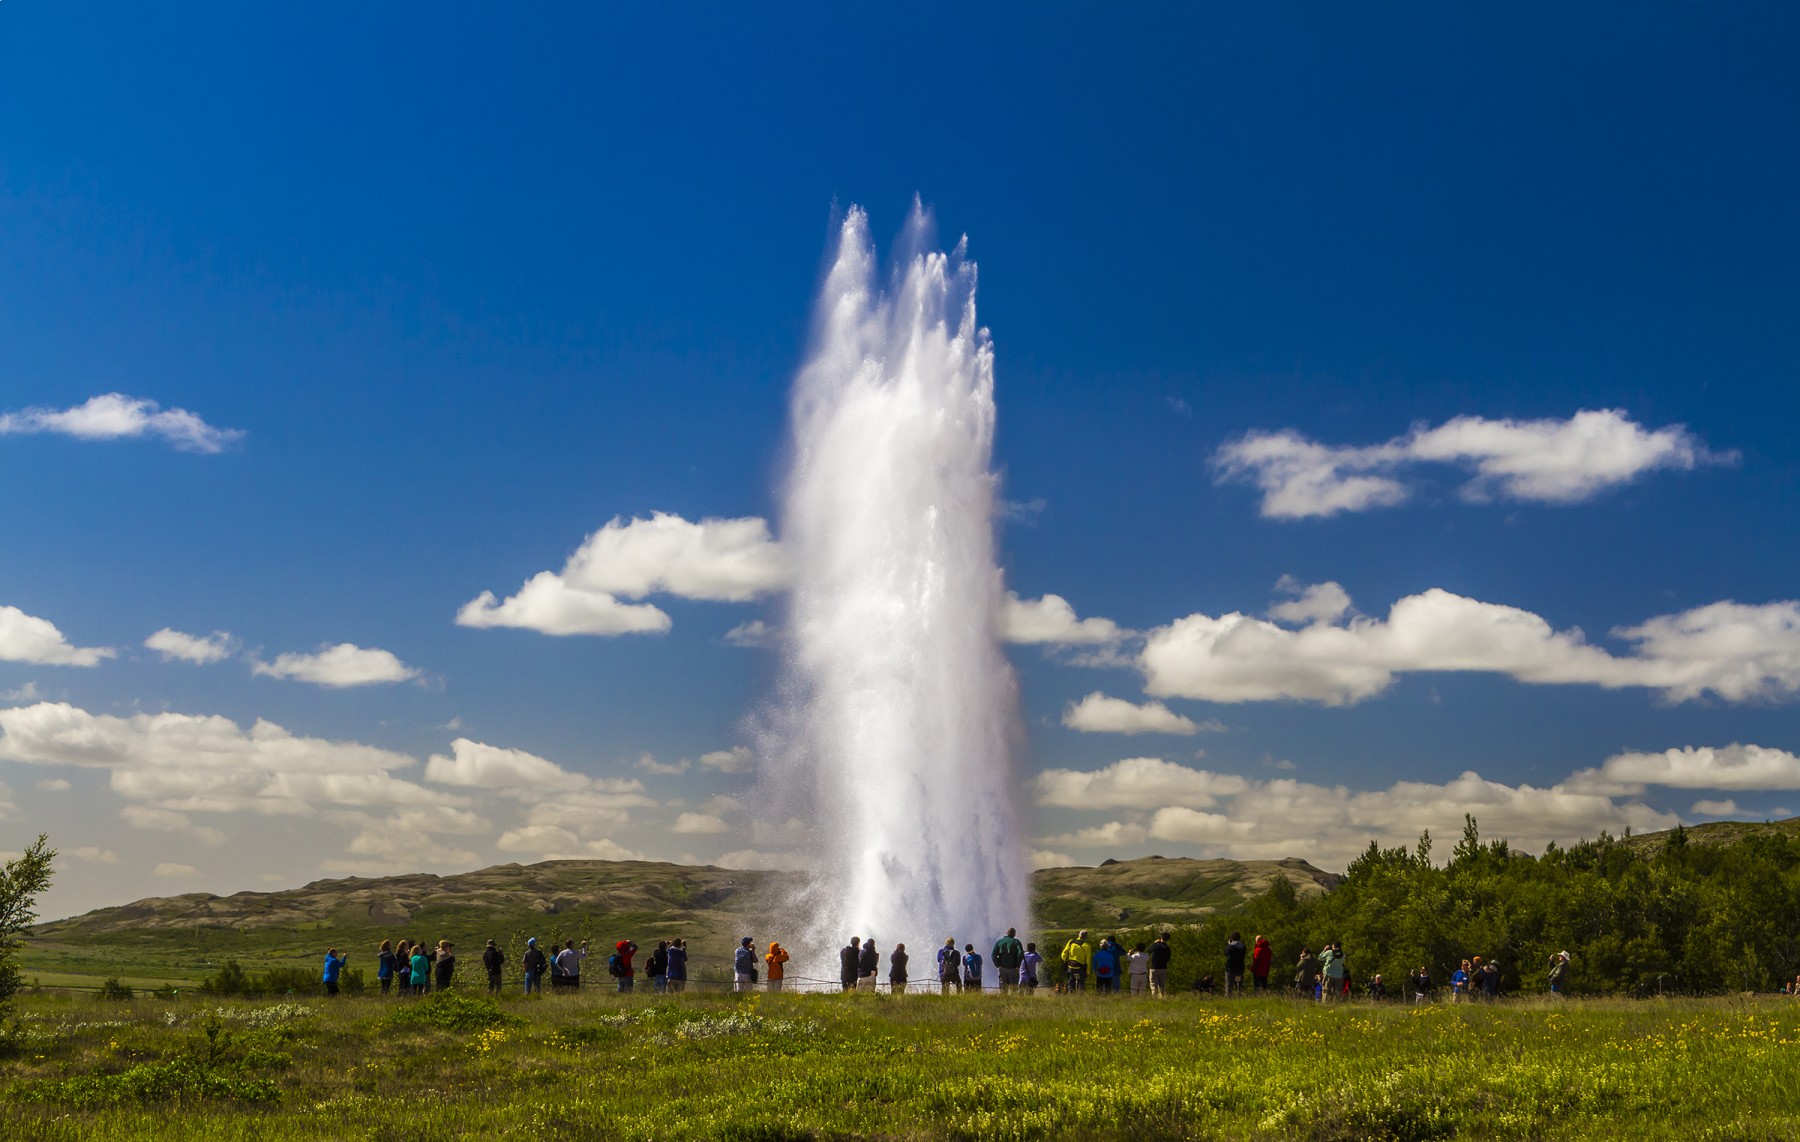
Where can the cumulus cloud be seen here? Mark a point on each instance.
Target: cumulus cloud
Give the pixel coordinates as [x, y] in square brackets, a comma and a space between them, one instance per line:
[474, 764]
[607, 849]
[1136, 783]
[93, 854]
[340, 666]
[169, 821]
[115, 416]
[727, 560]
[174, 764]
[1051, 621]
[1044, 858]
[172, 870]
[175, 646]
[1715, 808]
[1734, 767]
[699, 824]
[54, 785]
[537, 839]
[1734, 651]
[1099, 714]
[1544, 461]
[648, 763]
[737, 759]
[1317, 603]
[1226, 815]
[27, 638]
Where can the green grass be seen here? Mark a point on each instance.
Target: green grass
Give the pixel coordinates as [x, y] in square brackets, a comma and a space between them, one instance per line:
[785, 1067]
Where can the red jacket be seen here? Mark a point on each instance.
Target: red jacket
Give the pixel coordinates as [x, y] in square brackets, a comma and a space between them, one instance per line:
[1262, 957]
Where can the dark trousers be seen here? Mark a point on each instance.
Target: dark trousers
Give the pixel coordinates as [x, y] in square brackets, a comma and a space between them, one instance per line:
[494, 983]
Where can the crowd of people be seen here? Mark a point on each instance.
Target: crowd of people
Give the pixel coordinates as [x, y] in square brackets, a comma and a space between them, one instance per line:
[1104, 966]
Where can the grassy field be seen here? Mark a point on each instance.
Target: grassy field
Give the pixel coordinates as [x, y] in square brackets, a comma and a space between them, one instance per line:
[824, 1066]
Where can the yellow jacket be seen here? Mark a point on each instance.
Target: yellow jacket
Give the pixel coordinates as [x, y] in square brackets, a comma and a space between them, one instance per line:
[1078, 951]
[776, 957]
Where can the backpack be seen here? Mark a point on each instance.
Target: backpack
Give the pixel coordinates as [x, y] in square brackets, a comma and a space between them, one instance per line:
[615, 965]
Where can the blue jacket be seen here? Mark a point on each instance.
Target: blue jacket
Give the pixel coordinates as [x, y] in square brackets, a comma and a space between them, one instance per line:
[1106, 962]
[677, 963]
[746, 961]
[333, 966]
[972, 968]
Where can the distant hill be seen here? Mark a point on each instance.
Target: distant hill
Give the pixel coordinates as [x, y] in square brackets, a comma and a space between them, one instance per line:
[1714, 833]
[182, 938]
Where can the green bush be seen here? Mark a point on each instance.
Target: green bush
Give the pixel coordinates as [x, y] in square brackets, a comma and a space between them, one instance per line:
[449, 1011]
[113, 989]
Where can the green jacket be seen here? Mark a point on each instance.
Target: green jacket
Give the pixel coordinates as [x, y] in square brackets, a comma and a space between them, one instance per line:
[1008, 952]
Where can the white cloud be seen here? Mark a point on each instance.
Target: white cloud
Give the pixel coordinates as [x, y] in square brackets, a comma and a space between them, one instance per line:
[1044, 858]
[54, 785]
[174, 764]
[1544, 461]
[174, 645]
[92, 854]
[699, 824]
[763, 860]
[1734, 767]
[26, 693]
[648, 763]
[737, 759]
[115, 416]
[169, 821]
[727, 560]
[1225, 815]
[1731, 650]
[537, 839]
[173, 870]
[1136, 783]
[1319, 603]
[1099, 714]
[1715, 809]
[1051, 621]
[605, 849]
[473, 764]
[27, 638]
[345, 664]
[753, 633]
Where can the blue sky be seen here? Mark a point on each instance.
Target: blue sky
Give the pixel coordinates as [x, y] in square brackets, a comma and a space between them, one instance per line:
[461, 286]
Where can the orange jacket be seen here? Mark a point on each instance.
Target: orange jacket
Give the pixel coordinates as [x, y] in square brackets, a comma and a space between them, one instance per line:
[776, 957]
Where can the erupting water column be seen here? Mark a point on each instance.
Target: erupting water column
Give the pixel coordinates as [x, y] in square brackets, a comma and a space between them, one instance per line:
[903, 708]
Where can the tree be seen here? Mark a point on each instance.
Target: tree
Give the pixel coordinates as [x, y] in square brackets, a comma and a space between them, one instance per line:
[21, 882]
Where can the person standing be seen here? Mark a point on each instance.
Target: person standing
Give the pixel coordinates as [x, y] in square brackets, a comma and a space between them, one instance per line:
[949, 965]
[1377, 989]
[492, 960]
[384, 965]
[1419, 983]
[1490, 981]
[533, 963]
[1459, 983]
[1161, 952]
[1262, 958]
[568, 962]
[897, 970]
[1234, 966]
[403, 968]
[1559, 973]
[445, 968]
[971, 969]
[657, 966]
[776, 956]
[421, 970]
[334, 967]
[621, 957]
[677, 965]
[1008, 956]
[1332, 966]
[1306, 973]
[1137, 970]
[1029, 967]
[1105, 962]
[868, 963]
[850, 963]
[743, 966]
[1078, 958]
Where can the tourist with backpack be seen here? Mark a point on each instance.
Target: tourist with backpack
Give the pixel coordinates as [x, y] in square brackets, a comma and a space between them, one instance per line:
[1106, 967]
[618, 965]
[533, 963]
[493, 959]
[971, 969]
[1077, 958]
[1008, 957]
[1029, 967]
[743, 965]
[949, 965]
[775, 958]
[445, 967]
[677, 965]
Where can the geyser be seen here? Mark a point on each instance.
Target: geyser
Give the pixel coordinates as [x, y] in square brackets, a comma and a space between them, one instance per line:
[901, 714]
